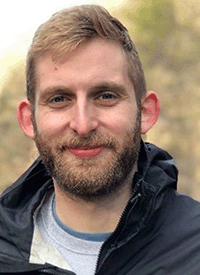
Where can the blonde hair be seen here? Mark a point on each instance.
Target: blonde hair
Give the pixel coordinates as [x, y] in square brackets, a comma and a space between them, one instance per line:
[69, 28]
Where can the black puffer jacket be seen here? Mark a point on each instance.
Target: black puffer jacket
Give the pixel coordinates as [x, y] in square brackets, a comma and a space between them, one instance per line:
[158, 233]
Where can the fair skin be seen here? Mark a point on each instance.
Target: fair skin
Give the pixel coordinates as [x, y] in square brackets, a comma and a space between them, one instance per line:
[88, 90]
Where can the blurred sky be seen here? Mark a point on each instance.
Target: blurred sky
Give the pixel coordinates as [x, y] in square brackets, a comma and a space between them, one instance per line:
[20, 19]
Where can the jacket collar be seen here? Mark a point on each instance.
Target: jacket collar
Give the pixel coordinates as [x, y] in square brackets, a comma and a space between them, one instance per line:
[156, 174]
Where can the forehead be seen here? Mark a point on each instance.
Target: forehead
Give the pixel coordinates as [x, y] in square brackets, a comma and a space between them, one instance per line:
[96, 60]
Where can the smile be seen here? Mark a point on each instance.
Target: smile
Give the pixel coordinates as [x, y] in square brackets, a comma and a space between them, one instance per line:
[86, 151]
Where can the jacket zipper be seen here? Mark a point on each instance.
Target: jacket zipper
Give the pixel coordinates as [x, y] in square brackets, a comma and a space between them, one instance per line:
[48, 272]
[52, 272]
[133, 200]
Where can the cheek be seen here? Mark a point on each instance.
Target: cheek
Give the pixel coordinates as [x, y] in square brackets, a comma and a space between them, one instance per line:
[121, 121]
[50, 124]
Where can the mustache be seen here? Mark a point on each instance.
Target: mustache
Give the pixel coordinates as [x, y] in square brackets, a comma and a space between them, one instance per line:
[93, 140]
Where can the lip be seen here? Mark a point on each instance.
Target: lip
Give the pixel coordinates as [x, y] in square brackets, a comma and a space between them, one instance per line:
[86, 151]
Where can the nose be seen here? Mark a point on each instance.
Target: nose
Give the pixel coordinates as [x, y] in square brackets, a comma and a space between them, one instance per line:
[84, 119]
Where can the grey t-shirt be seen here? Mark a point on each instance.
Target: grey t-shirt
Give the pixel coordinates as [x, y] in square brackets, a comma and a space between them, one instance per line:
[79, 250]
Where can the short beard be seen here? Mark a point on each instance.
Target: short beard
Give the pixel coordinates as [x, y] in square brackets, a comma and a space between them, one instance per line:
[83, 178]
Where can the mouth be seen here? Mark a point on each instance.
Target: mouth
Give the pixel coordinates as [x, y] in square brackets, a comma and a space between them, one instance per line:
[88, 152]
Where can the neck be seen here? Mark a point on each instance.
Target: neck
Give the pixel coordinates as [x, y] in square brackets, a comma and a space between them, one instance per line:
[100, 216]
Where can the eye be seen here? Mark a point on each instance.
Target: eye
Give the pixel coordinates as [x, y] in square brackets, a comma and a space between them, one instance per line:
[107, 98]
[59, 101]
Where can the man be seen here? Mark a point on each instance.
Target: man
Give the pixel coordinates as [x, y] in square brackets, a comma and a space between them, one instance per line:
[97, 200]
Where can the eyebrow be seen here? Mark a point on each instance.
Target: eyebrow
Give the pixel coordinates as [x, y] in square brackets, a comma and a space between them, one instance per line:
[51, 90]
[109, 86]
[96, 87]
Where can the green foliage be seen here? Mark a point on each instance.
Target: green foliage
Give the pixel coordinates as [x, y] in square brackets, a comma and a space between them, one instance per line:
[169, 49]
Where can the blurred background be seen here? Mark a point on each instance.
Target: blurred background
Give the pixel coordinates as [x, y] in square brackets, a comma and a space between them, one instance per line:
[167, 37]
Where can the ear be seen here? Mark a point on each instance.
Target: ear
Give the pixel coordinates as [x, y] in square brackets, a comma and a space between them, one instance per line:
[24, 117]
[150, 111]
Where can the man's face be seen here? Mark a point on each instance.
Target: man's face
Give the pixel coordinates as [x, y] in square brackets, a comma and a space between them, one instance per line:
[86, 122]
